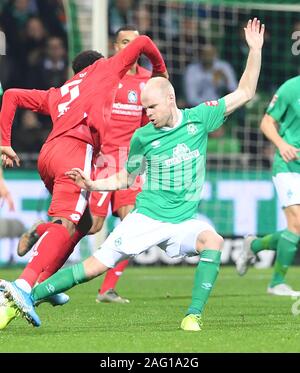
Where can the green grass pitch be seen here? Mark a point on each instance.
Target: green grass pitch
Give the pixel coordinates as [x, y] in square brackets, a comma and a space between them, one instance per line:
[239, 317]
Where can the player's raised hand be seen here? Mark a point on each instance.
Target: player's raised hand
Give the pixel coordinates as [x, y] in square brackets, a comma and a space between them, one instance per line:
[9, 156]
[254, 33]
[80, 178]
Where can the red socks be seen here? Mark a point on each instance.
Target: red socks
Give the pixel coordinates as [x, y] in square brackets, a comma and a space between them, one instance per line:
[61, 259]
[112, 276]
[49, 249]
[41, 229]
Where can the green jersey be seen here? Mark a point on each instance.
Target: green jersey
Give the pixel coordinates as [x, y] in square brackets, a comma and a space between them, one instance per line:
[174, 162]
[285, 109]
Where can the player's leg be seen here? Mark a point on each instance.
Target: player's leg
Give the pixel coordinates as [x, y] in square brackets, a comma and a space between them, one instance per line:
[286, 250]
[67, 206]
[122, 243]
[31, 236]
[252, 245]
[81, 231]
[209, 245]
[122, 204]
[190, 238]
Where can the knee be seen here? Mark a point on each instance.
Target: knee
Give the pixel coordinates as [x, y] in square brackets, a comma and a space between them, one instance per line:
[209, 240]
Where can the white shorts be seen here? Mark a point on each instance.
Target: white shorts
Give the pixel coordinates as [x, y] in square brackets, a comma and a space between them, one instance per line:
[137, 233]
[287, 186]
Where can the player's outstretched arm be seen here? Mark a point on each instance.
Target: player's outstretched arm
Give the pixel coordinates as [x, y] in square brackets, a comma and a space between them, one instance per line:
[254, 34]
[121, 180]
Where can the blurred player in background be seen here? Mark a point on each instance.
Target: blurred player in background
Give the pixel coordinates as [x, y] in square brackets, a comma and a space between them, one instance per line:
[171, 149]
[80, 111]
[127, 116]
[281, 125]
[4, 192]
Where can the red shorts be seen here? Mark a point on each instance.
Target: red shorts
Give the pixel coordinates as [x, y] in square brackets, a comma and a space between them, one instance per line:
[57, 157]
[99, 201]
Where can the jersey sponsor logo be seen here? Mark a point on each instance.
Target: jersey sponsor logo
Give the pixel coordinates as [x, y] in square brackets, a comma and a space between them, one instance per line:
[127, 109]
[132, 97]
[273, 101]
[192, 129]
[182, 153]
[155, 144]
[75, 217]
[212, 103]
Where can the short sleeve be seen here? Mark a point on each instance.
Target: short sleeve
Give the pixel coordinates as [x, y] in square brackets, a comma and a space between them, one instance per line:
[279, 104]
[210, 114]
[135, 163]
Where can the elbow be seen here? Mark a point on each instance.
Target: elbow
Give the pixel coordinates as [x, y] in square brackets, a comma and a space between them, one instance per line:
[248, 94]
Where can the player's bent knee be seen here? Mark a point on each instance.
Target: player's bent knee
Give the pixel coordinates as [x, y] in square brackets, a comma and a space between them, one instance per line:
[93, 267]
[210, 240]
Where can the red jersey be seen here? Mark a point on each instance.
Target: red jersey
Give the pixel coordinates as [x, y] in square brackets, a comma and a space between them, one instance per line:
[82, 106]
[127, 113]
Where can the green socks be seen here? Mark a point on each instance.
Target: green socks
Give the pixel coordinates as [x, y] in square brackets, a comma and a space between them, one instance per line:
[286, 250]
[205, 277]
[60, 281]
[268, 242]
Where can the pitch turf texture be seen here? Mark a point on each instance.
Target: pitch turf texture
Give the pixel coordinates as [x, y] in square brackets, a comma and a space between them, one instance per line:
[240, 316]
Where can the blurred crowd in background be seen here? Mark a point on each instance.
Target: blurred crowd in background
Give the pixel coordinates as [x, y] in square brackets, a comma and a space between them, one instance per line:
[204, 61]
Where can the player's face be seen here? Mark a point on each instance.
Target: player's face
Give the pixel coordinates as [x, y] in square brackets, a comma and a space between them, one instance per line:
[157, 109]
[124, 38]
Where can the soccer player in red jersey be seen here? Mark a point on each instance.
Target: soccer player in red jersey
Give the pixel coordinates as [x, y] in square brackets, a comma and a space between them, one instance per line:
[80, 111]
[127, 115]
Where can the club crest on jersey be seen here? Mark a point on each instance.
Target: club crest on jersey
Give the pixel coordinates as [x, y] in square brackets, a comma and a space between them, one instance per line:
[212, 103]
[132, 97]
[192, 129]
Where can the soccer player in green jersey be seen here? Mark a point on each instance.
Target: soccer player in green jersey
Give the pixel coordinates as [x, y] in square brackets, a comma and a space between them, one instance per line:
[281, 125]
[171, 149]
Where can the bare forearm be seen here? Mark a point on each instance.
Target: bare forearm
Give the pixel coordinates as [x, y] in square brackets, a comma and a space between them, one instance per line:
[249, 79]
[268, 127]
[117, 181]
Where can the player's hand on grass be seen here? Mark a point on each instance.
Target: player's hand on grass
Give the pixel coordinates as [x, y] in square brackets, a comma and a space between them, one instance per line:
[288, 152]
[254, 33]
[5, 196]
[9, 156]
[80, 178]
